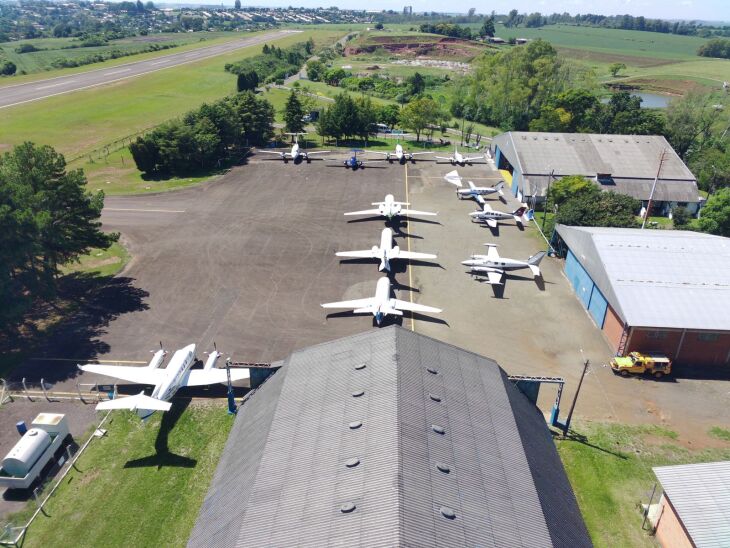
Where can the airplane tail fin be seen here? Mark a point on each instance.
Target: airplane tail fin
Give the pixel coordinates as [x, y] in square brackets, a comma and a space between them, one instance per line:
[536, 258]
[499, 186]
[133, 403]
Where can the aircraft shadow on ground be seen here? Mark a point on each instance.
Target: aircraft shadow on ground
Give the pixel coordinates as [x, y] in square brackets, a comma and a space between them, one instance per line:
[163, 457]
[397, 226]
[429, 319]
[99, 300]
[401, 267]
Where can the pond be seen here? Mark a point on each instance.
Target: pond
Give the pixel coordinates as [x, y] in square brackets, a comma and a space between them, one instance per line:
[649, 100]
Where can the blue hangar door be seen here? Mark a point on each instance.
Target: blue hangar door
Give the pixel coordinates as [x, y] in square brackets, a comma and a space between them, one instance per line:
[586, 290]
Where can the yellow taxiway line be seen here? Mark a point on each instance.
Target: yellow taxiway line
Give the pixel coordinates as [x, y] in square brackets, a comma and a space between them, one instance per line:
[410, 276]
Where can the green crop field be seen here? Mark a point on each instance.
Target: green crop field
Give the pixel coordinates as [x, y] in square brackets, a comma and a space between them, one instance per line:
[140, 485]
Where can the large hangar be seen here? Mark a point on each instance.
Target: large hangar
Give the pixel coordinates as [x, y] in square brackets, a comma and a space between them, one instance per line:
[653, 290]
[389, 438]
[620, 163]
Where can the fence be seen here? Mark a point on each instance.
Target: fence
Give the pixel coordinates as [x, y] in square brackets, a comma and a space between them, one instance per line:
[43, 391]
[102, 152]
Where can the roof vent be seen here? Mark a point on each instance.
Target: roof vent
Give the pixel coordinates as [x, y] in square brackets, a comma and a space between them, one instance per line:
[438, 429]
[443, 468]
[351, 463]
[355, 425]
[358, 393]
[432, 370]
[447, 512]
[347, 507]
[360, 366]
[434, 397]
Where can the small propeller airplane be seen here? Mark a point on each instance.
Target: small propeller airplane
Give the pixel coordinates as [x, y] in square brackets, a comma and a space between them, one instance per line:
[353, 162]
[476, 192]
[296, 154]
[400, 155]
[167, 381]
[381, 305]
[492, 217]
[494, 266]
[459, 159]
[390, 208]
[385, 252]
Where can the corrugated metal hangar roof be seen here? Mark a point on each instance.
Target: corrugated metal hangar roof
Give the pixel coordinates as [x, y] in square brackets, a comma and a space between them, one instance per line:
[657, 278]
[389, 438]
[630, 160]
[700, 494]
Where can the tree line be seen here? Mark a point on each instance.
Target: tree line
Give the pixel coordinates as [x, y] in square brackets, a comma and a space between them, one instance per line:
[273, 64]
[717, 47]
[205, 137]
[47, 219]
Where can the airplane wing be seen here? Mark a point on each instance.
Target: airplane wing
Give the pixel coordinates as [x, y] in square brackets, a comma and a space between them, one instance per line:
[277, 152]
[492, 252]
[419, 153]
[471, 185]
[200, 377]
[535, 269]
[494, 276]
[140, 401]
[416, 212]
[317, 152]
[378, 152]
[357, 303]
[414, 307]
[415, 255]
[492, 223]
[449, 158]
[364, 212]
[480, 199]
[364, 254]
[472, 158]
[138, 375]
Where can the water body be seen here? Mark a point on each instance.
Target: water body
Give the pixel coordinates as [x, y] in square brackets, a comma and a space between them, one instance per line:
[649, 100]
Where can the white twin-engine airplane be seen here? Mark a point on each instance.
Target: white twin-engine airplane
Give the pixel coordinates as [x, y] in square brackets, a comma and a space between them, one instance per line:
[495, 266]
[401, 155]
[382, 304]
[457, 158]
[297, 155]
[390, 208]
[167, 381]
[492, 217]
[386, 252]
[476, 192]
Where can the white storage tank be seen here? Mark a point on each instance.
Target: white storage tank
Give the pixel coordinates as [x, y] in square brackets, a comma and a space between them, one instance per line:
[26, 452]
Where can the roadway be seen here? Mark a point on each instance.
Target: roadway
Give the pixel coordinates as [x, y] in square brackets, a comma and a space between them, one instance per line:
[34, 91]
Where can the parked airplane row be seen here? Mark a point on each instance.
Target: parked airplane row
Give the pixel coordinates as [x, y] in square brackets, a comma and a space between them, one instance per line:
[490, 268]
[297, 155]
[382, 304]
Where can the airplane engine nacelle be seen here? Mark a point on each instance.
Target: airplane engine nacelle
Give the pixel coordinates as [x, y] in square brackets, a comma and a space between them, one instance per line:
[375, 249]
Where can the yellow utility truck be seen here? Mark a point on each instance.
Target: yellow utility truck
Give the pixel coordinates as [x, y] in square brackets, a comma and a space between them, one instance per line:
[656, 365]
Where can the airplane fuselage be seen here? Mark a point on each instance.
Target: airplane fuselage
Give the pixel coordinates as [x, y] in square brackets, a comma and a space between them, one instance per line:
[382, 299]
[497, 264]
[180, 363]
[496, 215]
[389, 208]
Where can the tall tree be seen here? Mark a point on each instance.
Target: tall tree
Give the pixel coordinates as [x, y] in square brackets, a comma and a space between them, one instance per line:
[602, 209]
[487, 29]
[237, 4]
[418, 114]
[715, 216]
[293, 114]
[690, 121]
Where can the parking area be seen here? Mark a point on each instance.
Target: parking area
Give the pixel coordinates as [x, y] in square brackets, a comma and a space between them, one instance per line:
[245, 261]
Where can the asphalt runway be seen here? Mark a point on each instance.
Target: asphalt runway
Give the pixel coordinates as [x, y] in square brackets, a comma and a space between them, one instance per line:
[33, 91]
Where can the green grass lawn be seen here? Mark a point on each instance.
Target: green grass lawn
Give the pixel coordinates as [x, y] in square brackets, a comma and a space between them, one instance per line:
[189, 42]
[609, 467]
[80, 122]
[101, 262]
[140, 485]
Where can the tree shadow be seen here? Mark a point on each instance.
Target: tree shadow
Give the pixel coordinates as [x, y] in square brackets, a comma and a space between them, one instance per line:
[163, 457]
[94, 302]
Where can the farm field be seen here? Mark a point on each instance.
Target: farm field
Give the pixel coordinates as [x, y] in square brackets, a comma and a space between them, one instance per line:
[140, 485]
[78, 123]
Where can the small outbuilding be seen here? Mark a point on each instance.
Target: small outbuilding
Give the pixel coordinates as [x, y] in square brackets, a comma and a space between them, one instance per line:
[626, 164]
[693, 511]
[389, 438]
[649, 290]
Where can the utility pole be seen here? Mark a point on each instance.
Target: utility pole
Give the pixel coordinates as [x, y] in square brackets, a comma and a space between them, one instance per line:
[547, 201]
[662, 157]
[566, 426]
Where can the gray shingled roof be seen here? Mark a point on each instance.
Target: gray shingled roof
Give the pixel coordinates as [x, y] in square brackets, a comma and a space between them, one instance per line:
[700, 495]
[631, 160]
[657, 278]
[286, 474]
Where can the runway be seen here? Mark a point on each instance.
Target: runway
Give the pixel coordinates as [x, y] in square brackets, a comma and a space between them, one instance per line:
[19, 94]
